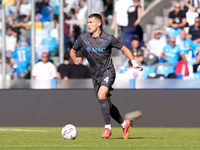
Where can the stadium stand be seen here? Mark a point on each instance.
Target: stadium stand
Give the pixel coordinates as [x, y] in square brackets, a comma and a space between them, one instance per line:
[165, 70]
[155, 16]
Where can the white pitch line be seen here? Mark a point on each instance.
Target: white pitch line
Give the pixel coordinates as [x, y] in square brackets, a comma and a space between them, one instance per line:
[25, 130]
[100, 146]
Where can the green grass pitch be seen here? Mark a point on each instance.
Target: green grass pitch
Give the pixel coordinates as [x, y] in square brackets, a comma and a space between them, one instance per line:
[40, 138]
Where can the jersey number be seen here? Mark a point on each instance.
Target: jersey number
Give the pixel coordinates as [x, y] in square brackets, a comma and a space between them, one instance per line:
[21, 55]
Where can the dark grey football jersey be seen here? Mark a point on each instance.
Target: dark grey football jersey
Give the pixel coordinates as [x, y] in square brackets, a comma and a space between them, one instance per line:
[97, 50]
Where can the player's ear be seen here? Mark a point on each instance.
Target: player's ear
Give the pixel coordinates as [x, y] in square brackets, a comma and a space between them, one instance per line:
[99, 23]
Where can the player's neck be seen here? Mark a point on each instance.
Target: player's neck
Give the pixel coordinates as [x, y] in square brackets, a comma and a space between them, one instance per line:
[96, 33]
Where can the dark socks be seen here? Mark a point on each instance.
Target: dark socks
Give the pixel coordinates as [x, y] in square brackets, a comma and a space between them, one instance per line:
[114, 112]
[105, 110]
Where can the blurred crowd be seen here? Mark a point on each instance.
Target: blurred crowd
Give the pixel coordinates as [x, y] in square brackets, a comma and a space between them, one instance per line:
[173, 52]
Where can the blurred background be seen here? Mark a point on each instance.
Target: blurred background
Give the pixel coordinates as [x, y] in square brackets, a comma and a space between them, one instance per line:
[29, 29]
[35, 39]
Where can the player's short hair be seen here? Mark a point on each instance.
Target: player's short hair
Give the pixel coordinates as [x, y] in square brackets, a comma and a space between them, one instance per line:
[97, 16]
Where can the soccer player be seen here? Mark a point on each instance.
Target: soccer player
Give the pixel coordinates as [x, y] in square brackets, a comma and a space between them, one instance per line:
[97, 47]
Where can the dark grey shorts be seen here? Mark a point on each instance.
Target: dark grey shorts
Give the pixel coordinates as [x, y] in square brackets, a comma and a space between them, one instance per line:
[107, 79]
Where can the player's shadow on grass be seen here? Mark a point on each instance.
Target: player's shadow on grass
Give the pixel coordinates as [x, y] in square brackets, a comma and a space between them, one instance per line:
[136, 138]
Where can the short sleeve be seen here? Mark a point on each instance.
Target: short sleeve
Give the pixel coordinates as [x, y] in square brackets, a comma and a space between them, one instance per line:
[54, 72]
[116, 43]
[164, 49]
[34, 71]
[78, 43]
[183, 14]
[170, 15]
[180, 51]
[140, 52]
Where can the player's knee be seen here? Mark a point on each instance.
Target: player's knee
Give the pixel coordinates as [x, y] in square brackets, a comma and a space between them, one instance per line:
[101, 96]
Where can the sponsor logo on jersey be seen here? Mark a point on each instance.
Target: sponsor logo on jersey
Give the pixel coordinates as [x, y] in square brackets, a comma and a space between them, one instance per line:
[96, 50]
[88, 49]
[100, 50]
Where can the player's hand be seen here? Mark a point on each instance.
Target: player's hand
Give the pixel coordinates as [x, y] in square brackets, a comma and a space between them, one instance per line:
[78, 60]
[140, 67]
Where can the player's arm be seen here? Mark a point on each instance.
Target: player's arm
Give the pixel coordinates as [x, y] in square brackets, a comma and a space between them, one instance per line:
[76, 60]
[128, 53]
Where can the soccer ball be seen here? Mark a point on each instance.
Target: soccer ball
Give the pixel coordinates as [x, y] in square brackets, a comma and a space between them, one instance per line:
[69, 132]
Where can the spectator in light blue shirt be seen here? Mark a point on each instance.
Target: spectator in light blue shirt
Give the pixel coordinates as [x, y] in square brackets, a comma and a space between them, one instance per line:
[171, 54]
[21, 59]
[186, 45]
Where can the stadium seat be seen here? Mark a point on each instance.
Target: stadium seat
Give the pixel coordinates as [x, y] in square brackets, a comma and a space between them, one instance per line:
[48, 25]
[165, 70]
[195, 75]
[147, 70]
[41, 34]
[54, 33]
[40, 49]
[51, 42]
[123, 69]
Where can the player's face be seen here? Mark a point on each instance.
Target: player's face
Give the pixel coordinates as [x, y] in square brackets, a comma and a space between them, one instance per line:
[93, 24]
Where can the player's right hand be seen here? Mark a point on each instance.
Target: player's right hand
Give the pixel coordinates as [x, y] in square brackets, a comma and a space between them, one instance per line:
[140, 67]
[78, 60]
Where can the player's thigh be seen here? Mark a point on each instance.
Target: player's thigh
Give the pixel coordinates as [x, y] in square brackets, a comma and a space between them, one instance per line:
[108, 79]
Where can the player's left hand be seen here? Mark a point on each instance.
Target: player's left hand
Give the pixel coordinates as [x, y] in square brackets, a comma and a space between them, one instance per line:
[140, 67]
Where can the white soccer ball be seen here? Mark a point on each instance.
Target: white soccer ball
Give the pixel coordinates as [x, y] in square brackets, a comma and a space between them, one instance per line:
[69, 132]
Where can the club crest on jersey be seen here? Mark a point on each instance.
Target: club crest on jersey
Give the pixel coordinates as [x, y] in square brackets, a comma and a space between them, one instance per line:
[106, 80]
[103, 43]
[88, 49]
